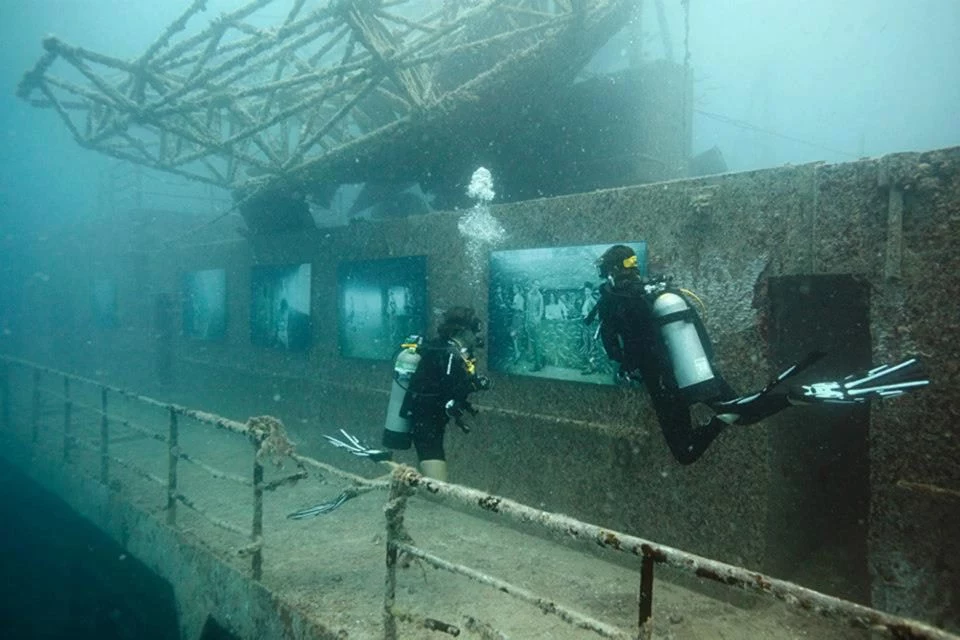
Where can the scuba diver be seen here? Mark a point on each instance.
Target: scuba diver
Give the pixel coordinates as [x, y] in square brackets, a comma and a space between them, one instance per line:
[439, 388]
[658, 339]
[432, 382]
[431, 385]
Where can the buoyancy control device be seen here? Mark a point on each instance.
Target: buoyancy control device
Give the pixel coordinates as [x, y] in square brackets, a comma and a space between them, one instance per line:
[396, 428]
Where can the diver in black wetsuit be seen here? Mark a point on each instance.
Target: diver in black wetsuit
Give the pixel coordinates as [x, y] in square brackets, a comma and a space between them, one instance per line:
[444, 378]
[432, 382]
[658, 339]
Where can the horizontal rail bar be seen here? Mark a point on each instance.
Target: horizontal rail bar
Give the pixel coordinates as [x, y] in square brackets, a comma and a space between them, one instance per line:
[126, 464]
[291, 479]
[223, 524]
[566, 614]
[213, 471]
[200, 416]
[346, 475]
[794, 595]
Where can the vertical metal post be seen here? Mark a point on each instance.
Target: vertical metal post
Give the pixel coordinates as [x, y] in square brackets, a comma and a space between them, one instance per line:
[67, 411]
[257, 532]
[5, 391]
[35, 416]
[104, 438]
[394, 511]
[646, 598]
[173, 455]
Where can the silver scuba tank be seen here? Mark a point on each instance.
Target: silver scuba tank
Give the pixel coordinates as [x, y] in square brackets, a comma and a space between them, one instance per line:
[396, 429]
[688, 360]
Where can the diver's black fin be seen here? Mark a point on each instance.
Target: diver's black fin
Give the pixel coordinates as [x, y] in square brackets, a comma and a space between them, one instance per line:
[885, 381]
[789, 372]
[322, 508]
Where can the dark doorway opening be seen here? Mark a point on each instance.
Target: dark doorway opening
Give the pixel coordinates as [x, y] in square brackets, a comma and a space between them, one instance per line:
[820, 489]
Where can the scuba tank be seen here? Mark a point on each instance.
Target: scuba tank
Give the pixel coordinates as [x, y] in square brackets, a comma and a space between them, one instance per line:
[396, 429]
[683, 347]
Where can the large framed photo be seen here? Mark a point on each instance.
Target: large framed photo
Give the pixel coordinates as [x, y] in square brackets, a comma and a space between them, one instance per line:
[539, 299]
[205, 304]
[105, 303]
[381, 302]
[280, 306]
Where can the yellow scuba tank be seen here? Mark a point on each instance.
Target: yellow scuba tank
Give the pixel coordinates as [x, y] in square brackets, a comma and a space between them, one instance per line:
[396, 429]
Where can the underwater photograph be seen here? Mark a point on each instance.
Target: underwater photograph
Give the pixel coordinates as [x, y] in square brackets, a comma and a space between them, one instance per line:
[205, 304]
[280, 307]
[542, 311]
[380, 304]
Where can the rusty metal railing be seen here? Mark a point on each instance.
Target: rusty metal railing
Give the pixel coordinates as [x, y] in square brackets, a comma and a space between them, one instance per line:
[405, 481]
[265, 435]
[267, 438]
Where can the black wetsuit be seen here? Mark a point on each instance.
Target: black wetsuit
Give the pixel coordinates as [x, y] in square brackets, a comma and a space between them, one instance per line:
[629, 332]
[442, 375]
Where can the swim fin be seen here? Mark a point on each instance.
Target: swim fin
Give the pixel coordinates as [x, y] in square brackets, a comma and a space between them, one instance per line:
[731, 411]
[885, 381]
[322, 508]
[358, 448]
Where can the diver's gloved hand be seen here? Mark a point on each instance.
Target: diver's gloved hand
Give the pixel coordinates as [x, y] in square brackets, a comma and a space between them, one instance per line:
[483, 383]
[455, 410]
[357, 448]
[884, 381]
[630, 378]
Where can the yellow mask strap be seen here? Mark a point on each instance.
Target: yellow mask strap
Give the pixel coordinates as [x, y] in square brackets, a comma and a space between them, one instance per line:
[630, 262]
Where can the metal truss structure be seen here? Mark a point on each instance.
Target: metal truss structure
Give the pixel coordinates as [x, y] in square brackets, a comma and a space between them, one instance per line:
[345, 91]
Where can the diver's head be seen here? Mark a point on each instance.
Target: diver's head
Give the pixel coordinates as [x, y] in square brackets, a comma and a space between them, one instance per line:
[462, 324]
[618, 263]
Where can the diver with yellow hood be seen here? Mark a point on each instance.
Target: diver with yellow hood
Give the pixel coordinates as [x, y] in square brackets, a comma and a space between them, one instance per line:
[657, 337]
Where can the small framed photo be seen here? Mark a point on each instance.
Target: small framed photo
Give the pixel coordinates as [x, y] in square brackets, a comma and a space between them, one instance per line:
[381, 302]
[280, 306]
[205, 304]
[105, 303]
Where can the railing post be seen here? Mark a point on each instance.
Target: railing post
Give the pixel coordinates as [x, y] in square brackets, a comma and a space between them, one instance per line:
[35, 416]
[67, 411]
[646, 598]
[104, 439]
[5, 391]
[173, 455]
[394, 511]
[256, 535]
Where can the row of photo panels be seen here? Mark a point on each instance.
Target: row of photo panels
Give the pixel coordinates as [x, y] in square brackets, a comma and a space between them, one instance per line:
[539, 301]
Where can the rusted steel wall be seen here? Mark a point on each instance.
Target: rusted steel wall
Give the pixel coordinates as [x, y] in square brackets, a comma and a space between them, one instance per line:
[915, 442]
[596, 452]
